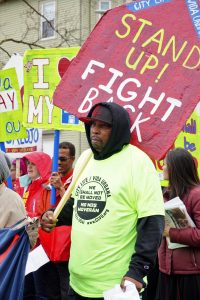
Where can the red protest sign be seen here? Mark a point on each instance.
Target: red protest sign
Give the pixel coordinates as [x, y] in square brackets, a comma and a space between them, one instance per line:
[145, 57]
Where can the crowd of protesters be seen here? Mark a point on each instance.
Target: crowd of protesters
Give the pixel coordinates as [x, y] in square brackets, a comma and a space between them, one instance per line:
[116, 214]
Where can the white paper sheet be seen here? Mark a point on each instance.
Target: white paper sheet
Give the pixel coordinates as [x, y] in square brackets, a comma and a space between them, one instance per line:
[36, 259]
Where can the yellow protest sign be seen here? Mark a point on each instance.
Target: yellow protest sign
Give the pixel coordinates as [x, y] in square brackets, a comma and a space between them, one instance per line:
[189, 139]
[43, 69]
[10, 107]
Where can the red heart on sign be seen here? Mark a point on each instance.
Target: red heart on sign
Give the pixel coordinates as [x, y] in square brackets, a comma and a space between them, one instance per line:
[63, 65]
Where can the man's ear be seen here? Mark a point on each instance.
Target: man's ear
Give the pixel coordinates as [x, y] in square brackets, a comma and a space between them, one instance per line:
[73, 158]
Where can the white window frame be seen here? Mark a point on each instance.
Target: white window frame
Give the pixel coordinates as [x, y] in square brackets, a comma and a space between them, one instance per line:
[101, 11]
[42, 20]
[100, 3]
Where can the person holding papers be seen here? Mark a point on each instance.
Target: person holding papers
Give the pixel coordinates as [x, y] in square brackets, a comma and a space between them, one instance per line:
[179, 277]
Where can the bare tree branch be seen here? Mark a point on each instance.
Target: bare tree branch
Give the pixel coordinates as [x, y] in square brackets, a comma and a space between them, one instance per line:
[30, 44]
[4, 50]
[67, 35]
[54, 29]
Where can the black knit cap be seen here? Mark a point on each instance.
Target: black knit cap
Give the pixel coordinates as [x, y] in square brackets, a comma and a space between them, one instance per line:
[100, 113]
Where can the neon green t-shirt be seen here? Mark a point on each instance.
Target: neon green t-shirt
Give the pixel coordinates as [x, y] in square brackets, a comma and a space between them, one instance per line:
[110, 196]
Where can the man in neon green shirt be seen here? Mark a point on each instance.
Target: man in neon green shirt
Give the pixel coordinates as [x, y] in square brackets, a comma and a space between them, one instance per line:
[117, 207]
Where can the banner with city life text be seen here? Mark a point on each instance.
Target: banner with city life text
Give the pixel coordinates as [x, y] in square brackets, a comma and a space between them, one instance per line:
[145, 56]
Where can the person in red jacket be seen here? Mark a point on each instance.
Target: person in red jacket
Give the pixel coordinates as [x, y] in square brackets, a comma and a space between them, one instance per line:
[51, 280]
[60, 180]
[38, 172]
[179, 277]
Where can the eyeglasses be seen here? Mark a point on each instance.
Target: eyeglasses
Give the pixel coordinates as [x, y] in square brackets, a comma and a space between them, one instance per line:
[62, 158]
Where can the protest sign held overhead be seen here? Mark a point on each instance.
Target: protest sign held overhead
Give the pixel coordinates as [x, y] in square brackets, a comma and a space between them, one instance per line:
[10, 107]
[144, 60]
[43, 69]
